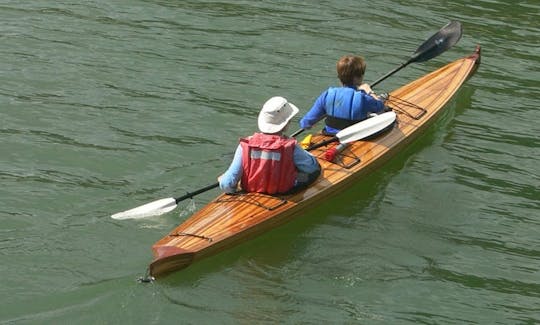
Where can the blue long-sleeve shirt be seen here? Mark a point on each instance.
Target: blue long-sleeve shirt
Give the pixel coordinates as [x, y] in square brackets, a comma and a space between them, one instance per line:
[319, 110]
[303, 160]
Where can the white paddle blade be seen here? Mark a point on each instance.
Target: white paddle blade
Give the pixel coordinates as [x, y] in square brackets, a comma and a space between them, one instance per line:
[366, 128]
[151, 209]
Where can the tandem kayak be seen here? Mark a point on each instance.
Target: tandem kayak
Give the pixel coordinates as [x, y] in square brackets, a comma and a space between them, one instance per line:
[229, 220]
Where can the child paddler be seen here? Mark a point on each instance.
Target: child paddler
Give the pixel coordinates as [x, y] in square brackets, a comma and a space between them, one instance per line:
[346, 105]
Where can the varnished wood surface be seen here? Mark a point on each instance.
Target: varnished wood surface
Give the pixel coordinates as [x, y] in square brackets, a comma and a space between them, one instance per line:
[231, 219]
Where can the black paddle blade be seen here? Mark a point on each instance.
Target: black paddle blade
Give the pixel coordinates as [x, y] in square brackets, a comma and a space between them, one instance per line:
[435, 45]
[444, 39]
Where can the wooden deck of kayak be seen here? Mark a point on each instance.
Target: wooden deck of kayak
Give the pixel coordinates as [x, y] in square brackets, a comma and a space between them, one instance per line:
[231, 219]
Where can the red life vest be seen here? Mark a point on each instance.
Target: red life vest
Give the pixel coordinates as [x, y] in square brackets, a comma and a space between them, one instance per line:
[267, 163]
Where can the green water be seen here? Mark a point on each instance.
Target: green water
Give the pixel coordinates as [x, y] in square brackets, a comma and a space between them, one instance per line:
[105, 105]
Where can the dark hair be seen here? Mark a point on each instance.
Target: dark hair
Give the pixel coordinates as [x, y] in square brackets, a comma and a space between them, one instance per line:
[349, 68]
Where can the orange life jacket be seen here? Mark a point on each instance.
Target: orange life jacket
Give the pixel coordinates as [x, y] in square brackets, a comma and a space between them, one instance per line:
[268, 163]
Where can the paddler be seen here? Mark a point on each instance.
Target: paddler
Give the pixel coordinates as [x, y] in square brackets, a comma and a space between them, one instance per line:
[269, 161]
[346, 105]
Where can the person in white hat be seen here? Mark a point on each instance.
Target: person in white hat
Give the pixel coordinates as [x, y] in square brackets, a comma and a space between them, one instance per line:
[268, 161]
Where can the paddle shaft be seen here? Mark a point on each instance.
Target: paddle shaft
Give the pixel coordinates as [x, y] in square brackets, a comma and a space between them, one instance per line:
[297, 133]
[322, 143]
[302, 130]
[439, 42]
[403, 65]
[190, 195]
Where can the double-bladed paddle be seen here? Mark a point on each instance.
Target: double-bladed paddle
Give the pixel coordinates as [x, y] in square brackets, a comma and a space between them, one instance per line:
[350, 134]
[439, 42]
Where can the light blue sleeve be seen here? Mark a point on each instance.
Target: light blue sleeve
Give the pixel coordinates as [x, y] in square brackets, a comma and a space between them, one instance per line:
[229, 180]
[304, 161]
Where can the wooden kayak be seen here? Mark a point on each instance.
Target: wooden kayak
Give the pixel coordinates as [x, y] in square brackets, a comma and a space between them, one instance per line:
[231, 219]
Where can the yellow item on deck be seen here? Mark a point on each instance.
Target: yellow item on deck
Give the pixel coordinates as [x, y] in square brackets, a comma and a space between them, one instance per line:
[306, 142]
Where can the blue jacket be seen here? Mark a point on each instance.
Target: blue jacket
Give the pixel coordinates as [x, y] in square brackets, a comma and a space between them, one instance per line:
[343, 106]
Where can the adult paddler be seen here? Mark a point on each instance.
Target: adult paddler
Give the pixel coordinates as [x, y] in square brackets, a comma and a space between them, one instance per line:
[269, 161]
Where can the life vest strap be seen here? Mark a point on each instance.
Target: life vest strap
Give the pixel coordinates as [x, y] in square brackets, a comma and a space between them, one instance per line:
[339, 123]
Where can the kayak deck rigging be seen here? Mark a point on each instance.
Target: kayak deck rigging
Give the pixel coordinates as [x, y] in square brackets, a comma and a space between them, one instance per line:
[401, 106]
[252, 198]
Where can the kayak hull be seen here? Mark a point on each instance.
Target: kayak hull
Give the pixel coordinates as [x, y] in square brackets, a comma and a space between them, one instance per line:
[232, 219]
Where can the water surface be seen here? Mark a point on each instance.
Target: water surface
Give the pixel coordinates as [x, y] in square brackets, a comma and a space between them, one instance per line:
[105, 106]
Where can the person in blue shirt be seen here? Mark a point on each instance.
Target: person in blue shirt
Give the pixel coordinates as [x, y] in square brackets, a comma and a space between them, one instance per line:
[269, 161]
[346, 105]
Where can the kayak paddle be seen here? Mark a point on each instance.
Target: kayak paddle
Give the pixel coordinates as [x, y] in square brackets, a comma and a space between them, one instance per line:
[352, 133]
[439, 42]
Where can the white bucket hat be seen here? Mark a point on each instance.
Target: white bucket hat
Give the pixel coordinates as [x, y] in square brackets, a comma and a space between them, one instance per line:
[275, 114]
